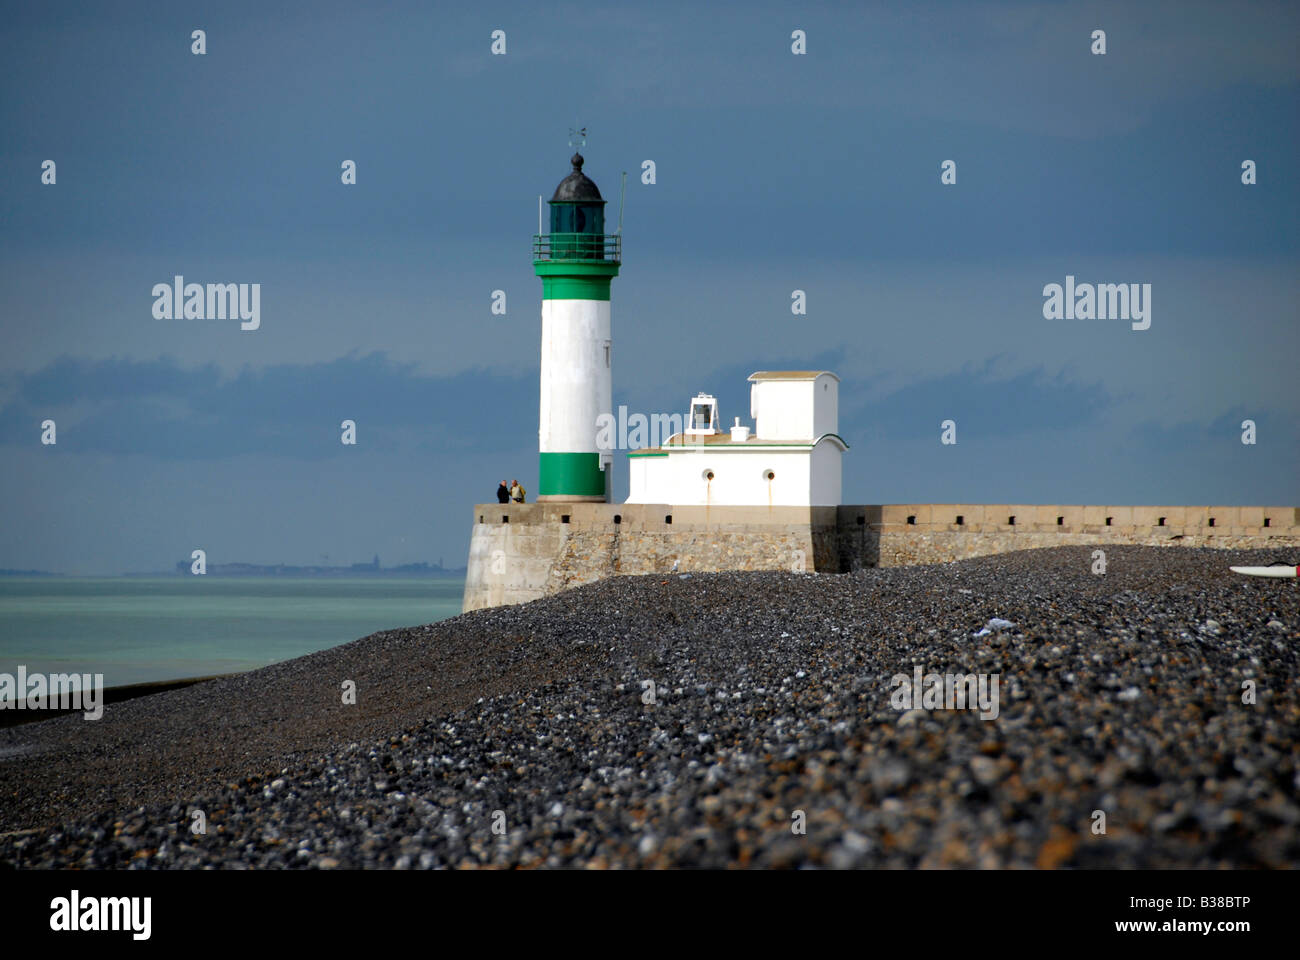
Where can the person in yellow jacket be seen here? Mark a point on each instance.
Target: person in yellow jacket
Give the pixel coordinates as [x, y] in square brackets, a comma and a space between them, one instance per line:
[517, 492]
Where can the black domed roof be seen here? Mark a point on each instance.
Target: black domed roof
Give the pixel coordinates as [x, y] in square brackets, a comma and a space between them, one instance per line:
[577, 186]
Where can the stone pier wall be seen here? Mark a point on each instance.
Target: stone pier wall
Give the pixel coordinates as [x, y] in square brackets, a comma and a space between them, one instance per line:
[519, 552]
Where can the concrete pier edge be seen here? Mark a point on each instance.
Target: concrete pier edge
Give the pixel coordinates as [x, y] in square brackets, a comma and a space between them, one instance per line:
[521, 552]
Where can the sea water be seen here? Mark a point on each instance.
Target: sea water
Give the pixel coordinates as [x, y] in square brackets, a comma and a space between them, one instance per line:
[136, 630]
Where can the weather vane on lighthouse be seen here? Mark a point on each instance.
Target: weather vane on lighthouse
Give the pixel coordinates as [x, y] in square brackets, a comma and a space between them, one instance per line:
[578, 137]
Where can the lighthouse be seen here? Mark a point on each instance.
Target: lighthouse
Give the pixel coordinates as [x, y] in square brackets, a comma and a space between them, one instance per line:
[576, 261]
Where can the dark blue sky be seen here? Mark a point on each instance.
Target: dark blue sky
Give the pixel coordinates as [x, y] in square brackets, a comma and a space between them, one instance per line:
[775, 172]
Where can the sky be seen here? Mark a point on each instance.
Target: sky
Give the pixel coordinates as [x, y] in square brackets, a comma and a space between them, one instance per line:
[774, 172]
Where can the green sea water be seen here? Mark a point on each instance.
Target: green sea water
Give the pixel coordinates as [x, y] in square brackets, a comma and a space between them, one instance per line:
[134, 630]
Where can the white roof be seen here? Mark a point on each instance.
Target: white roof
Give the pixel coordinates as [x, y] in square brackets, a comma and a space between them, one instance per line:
[791, 375]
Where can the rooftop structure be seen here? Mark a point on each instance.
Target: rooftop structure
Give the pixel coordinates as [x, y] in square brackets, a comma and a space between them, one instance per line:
[792, 457]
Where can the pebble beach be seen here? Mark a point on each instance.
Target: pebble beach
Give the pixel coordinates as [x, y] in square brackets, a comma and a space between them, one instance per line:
[1163, 695]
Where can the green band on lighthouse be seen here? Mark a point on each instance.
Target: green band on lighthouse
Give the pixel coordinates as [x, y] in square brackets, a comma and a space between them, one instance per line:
[570, 474]
[575, 288]
[575, 281]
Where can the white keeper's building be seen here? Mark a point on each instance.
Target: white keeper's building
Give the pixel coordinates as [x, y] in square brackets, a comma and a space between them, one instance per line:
[792, 457]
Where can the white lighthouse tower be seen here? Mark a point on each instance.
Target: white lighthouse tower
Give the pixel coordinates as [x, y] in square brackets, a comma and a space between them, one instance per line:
[576, 262]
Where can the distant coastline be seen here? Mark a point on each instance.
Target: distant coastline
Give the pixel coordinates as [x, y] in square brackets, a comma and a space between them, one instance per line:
[408, 571]
[373, 569]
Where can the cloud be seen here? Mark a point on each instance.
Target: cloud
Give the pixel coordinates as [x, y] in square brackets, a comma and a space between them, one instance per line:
[983, 402]
[1220, 437]
[161, 409]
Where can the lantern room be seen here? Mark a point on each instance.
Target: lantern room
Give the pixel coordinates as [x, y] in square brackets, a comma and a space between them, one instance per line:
[577, 217]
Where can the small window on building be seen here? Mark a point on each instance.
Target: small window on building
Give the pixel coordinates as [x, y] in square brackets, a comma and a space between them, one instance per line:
[480, 519]
[1266, 522]
[1211, 521]
[618, 518]
[1060, 521]
[912, 520]
[1011, 521]
[1160, 521]
[961, 520]
[862, 521]
[1108, 520]
[564, 518]
[505, 518]
[668, 518]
